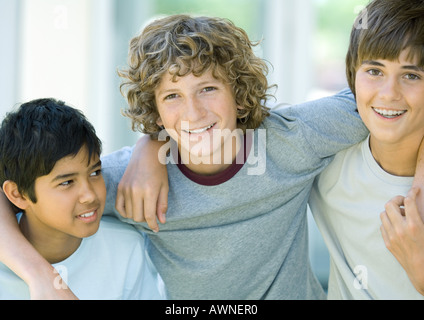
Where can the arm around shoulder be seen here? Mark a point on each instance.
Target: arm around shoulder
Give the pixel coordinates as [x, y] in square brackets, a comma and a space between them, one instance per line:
[330, 124]
[24, 260]
[143, 190]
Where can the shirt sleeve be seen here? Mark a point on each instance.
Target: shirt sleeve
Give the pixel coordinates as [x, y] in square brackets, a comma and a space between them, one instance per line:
[113, 168]
[328, 125]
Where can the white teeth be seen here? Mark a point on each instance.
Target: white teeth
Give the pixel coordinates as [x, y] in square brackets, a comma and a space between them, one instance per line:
[200, 130]
[86, 215]
[389, 113]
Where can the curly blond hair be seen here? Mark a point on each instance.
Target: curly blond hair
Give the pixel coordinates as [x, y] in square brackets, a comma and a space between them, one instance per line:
[181, 44]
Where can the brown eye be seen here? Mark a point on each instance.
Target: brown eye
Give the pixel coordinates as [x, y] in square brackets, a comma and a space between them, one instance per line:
[208, 89]
[66, 183]
[412, 76]
[374, 72]
[171, 96]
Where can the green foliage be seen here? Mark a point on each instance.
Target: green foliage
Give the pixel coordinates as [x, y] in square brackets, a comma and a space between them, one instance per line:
[335, 19]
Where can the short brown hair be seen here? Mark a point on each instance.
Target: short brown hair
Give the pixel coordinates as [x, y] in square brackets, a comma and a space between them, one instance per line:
[387, 28]
[182, 44]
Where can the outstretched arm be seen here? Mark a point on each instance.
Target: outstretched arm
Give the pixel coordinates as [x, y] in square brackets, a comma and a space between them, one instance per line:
[25, 261]
[403, 227]
[143, 190]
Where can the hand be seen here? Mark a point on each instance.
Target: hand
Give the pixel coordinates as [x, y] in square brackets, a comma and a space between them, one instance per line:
[143, 190]
[403, 233]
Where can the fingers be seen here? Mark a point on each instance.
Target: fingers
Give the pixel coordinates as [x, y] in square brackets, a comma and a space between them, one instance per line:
[150, 212]
[129, 203]
[155, 207]
[411, 207]
[142, 204]
[162, 204]
[395, 209]
[391, 219]
[120, 202]
[397, 201]
[401, 221]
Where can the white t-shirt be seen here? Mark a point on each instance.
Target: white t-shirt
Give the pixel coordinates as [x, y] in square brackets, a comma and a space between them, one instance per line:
[346, 201]
[112, 264]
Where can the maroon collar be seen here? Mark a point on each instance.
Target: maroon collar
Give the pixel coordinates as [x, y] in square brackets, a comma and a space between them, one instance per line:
[223, 176]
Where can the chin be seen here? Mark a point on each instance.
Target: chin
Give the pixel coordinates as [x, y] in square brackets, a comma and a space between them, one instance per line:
[90, 231]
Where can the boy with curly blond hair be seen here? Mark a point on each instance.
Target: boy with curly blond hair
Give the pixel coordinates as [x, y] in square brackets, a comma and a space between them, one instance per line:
[231, 232]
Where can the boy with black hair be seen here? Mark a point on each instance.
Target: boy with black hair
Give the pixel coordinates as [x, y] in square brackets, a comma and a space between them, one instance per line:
[50, 169]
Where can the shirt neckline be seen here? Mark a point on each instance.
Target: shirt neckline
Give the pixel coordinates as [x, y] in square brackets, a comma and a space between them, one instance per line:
[223, 176]
[379, 171]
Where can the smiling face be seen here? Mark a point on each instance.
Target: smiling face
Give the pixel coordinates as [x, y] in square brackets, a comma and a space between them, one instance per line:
[390, 98]
[70, 199]
[200, 113]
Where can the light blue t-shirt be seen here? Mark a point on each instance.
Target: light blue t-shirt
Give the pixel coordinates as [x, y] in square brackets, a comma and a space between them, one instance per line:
[112, 264]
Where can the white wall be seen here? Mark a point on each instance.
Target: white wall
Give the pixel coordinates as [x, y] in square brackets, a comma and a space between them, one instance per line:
[288, 31]
[9, 53]
[55, 50]
[70, 50]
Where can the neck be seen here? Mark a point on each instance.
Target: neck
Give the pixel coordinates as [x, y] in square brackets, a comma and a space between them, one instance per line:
[53, 247]
[399, 159]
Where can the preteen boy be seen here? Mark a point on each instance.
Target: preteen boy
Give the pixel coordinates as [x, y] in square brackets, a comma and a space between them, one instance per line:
[51, 170]
[385, 71]
[232, 232]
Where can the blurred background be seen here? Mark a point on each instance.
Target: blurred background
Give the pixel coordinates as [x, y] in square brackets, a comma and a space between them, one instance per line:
[71, 49]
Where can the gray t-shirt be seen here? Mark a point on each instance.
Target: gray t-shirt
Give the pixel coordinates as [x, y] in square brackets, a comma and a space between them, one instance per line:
[244, 235]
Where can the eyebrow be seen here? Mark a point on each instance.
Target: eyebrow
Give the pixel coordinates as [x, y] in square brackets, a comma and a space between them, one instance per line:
[168, 91]
[379, 64]
[210, 82]
[72, 174]
[413, 68]
[372, 63]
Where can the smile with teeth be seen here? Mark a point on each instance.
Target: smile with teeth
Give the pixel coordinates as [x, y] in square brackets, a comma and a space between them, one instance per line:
[87, 215]
[389, 113]
[199, 130]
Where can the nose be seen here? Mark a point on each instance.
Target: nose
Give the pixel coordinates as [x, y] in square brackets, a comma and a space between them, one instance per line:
[194, 110]
[390, 90]
[87, 193]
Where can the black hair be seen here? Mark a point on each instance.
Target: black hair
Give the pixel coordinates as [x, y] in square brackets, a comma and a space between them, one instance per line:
[38, 134]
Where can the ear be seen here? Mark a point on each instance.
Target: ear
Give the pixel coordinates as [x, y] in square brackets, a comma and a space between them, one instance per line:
[11, 191]
[159, 122]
